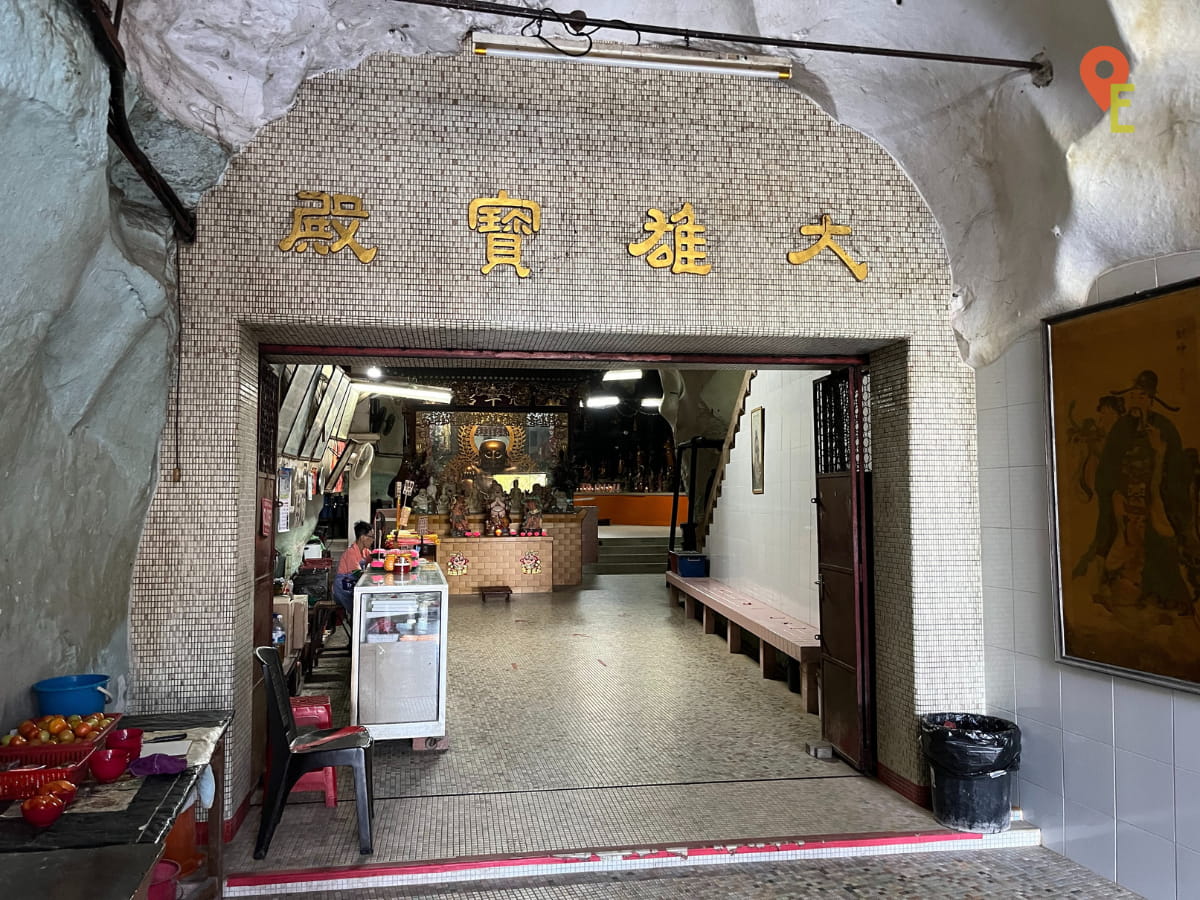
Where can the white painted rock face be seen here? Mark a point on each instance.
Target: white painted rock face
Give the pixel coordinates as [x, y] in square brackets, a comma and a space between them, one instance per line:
[1019, 178]
[85, 354]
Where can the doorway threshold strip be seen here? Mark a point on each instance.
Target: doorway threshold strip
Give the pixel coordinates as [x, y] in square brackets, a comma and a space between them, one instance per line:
[567, 862]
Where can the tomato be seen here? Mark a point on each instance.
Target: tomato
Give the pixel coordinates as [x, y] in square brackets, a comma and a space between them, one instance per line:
[18, 741]
[82, 730]
[6, 740]
[94, 736]
[55, 787]
[58, 725]
[27, 729]
[43, 801]
[65, 737]
[43, 736]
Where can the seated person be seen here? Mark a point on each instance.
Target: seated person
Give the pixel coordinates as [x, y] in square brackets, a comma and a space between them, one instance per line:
[353, 559]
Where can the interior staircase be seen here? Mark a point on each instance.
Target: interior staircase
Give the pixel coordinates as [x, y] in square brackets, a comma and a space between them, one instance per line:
[632, 555]
[704, 523]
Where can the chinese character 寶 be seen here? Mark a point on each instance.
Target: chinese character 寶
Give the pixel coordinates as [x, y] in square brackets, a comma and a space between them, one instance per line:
[684, 252]
[504, 220]
[826, 230]
[322, 226]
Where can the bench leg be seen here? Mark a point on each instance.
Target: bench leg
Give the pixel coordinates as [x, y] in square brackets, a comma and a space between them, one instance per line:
[673, 594]
[810, 665]
[689, 607]
[710, 621]
[734, 634]
[768, 661]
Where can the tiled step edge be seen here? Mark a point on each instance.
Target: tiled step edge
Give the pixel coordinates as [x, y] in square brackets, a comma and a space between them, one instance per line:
[402, 874]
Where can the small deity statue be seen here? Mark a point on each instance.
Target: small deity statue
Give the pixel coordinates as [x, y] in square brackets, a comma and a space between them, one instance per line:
[473, 495]
[562, 503]
[532, 520]
[497, 514]
[443, 503]
[516, 503]
[459, 524]
[421, 502]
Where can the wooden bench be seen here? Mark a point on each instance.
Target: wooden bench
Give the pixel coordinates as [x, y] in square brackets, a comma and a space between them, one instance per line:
[775, 630]
[495, 590]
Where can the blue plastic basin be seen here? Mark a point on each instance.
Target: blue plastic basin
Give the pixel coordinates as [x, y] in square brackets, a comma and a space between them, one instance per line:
[72, 695]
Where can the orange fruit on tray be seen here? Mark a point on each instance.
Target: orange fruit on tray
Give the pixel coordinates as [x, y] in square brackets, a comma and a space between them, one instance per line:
[62, 789]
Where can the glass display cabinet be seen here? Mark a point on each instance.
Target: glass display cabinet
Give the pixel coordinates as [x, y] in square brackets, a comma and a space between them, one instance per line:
[398, 665]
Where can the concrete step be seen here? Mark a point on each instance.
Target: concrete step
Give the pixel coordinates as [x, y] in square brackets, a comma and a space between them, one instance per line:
[633, 551]
[635, 542]
[630, 568]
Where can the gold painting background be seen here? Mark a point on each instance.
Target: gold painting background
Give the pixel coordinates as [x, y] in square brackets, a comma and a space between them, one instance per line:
[1126, 425]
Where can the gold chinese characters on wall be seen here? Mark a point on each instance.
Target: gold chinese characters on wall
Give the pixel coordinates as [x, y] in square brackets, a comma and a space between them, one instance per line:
[677, 242]
[825, 232]
[674, 242]
[504, 220]
[328, 227]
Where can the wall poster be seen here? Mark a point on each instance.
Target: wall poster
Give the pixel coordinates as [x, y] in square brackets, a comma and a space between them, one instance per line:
[1124, 383]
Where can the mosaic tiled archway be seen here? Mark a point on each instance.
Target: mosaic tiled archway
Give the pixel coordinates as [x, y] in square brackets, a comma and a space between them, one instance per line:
[417, 140]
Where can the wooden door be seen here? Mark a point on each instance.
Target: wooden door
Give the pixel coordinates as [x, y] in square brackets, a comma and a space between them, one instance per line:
[264, 553]
[842, 460]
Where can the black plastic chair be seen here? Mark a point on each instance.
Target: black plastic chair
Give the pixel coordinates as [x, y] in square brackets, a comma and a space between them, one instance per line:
[292, 753]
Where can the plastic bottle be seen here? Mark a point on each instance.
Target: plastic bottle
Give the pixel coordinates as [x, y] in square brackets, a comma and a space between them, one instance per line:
[278, 634]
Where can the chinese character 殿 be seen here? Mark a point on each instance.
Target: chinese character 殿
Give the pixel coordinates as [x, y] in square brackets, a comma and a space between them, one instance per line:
[684, 252]
[504, 220]
[322, 226]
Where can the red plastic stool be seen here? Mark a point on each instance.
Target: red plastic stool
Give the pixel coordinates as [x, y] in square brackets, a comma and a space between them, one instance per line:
[315, 710]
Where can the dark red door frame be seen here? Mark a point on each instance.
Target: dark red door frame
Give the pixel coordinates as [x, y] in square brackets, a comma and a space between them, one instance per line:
[862, 600]
[841, 458]
[747, 361]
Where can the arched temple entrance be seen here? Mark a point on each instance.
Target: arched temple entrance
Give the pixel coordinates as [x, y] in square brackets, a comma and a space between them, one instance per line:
[506, 207]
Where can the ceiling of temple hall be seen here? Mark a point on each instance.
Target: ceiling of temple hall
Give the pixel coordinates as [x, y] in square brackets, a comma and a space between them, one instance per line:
[1035, 195]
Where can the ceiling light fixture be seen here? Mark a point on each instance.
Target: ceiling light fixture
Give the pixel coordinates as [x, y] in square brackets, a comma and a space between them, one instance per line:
[628, 56]
[409, 391]
[622, 375]
[602, 401]
[1039, 68]
[374, 372]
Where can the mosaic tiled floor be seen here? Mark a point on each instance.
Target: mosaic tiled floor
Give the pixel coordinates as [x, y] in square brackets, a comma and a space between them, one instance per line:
[1026, 872]
[587, 719]
[593, 687]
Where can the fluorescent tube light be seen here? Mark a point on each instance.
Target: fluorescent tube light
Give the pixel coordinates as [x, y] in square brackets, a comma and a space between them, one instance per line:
[652, 402]
[410, 391]
[626, 56]
[622, 375]
[602, 401]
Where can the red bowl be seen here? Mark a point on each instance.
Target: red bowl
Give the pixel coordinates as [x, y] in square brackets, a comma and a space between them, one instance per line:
[127, 739]
[44, 812]
[109, 765]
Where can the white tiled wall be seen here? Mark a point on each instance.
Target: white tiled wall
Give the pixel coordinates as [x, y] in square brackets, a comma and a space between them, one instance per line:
[1110, 769]
[767, 542]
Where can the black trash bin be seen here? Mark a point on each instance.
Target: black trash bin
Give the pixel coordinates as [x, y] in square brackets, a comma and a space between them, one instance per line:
[970, 760]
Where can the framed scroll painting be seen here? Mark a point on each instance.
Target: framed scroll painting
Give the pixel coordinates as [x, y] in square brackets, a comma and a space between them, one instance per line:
[1124, 404]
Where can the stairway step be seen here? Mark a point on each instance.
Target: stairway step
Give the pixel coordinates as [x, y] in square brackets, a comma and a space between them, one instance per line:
[637, 568]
